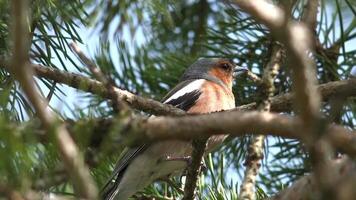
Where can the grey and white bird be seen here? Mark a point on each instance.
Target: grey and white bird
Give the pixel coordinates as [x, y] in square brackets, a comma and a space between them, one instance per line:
[206, 86]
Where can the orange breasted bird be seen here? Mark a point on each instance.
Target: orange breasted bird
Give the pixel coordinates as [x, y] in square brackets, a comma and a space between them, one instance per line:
[206, 86]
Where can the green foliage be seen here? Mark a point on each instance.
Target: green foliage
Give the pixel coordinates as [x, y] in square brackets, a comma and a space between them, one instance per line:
[144, 47]
[4, 27]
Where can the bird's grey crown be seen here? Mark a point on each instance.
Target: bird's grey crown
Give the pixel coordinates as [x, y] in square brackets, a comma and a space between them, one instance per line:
[200, 70]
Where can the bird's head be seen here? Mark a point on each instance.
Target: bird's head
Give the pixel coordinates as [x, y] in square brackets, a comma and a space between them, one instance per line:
[219, 70]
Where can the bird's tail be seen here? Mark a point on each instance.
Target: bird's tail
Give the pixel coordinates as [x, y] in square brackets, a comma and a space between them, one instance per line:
[111, 188]
[109, 191]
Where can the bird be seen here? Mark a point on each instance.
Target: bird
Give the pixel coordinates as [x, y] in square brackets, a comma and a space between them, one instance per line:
[205, 87]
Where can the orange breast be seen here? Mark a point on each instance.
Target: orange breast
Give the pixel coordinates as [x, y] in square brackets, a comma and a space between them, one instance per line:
[214, 98]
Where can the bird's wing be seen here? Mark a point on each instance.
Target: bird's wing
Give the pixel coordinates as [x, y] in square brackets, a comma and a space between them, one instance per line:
[114, 180]
[183, 96]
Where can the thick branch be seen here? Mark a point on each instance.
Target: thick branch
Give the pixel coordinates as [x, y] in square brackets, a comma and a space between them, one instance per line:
[236, 123]
[310, 13]
[283, 103]
[320, 150]
[280, 103]
[95, 87]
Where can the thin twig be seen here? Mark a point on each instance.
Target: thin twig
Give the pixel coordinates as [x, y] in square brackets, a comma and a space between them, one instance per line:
[253, 77]
[90, 64]
[117, 104]
[255, 151]
[194, 168]
[73, 160]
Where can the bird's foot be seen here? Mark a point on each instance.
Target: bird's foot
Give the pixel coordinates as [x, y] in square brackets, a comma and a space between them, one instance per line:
[187, 159]
[203, 168]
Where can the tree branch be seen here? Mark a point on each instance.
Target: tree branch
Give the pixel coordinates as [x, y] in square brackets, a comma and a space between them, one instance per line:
[89, 85]
[320, 150]
[73, 160]
[255, 150]
[305, 187]
[253, 77]
[310, 13]
[117, 104]
[236, 123]
[298, 39]
[193, 170]
[280, 103]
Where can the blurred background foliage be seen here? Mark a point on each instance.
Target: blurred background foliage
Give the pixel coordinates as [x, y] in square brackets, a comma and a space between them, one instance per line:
[145, 46]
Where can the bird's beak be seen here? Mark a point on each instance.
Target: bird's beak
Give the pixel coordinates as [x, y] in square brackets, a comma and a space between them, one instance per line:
[238, 70]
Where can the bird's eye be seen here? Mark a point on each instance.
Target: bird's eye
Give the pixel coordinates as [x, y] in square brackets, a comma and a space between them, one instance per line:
[225, 66]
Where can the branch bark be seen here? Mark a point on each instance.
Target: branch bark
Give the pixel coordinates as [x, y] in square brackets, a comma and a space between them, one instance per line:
[255, 150]
[73, 160]
[310, 13]
[298, 39]
[117, 104]
[320, 150]
[95, 87]
[194, 168]
[236, 123]
[305, 187]
[279, 103]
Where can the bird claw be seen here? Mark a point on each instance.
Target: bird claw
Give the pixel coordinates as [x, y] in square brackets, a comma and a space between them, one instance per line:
[203, 168]
[187, 159]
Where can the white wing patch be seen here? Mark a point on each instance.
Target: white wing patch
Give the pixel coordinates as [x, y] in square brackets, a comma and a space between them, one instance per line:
[195, 85]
